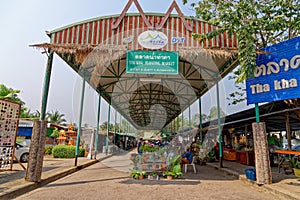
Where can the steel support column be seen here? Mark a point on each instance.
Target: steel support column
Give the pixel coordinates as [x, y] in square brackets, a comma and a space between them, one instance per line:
[108, 123]
[115, 127]
[219, 126]
[190, 123]
[200, 119]
[177, 122]
[46, 86]
[97, 127]
[80, 121]
[257, 112]
[182, 122]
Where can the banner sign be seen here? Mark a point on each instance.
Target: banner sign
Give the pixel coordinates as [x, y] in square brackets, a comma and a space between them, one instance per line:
[9, 121]
[277, 73]
[152, 62]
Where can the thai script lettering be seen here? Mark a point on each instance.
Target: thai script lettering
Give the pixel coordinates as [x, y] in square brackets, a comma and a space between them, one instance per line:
[274, 67]
[152, 57]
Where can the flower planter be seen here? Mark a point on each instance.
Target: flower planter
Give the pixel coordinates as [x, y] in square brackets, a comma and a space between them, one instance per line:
[169, 177]
[156, 177]
[144, 166]
[141, 177]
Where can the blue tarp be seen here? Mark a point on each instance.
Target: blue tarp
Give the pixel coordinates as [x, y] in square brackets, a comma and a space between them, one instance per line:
[24, 131]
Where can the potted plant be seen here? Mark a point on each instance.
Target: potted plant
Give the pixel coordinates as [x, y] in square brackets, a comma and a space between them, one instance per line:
[175, 172]
[138, 174]
[296, 167]
[153, 176]
[169, 174]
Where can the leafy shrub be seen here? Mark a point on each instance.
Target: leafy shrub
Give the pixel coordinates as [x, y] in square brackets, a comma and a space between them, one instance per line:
[48, 150]
[64, 151]
[136, 173]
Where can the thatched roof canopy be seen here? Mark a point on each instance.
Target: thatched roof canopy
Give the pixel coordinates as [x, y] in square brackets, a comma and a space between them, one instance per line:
[148, 101]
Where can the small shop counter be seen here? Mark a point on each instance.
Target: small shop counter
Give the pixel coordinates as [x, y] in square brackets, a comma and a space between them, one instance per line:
[229, 154]
[245, 157]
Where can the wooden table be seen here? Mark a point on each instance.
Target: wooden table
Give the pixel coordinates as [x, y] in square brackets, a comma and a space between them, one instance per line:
[288, 152]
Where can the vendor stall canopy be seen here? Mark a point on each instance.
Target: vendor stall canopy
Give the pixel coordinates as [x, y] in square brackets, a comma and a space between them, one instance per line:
[96, 49]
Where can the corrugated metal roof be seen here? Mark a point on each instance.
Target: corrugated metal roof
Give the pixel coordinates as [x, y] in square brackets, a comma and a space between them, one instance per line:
[23, 123]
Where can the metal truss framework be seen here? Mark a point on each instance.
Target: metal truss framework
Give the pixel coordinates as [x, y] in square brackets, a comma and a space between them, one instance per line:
[136, 96]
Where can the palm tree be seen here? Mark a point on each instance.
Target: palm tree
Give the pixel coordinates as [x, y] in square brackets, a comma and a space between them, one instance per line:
[55, 117]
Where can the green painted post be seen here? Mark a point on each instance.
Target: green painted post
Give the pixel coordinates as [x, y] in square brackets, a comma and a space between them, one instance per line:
[177, 124]
[115, 127]
[97, 127]
[190, 122]
[121, 125]
[219, 126]
[46, 85]
[182, 122]
[174, 125]
[200, 120]
[257, 113]
[80, 121]
[108, 122]
[127, 128]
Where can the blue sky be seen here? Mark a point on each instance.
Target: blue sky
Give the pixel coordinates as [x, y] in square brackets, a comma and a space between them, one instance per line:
[24, 23]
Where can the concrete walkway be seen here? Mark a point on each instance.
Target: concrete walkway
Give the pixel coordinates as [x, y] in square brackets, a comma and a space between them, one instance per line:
[284, 185]
[12, 183]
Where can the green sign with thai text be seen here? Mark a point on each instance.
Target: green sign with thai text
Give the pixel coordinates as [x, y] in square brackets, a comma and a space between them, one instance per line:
[152, 62]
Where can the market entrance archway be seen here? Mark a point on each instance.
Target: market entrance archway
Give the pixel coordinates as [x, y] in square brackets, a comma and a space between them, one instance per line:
[97, 50]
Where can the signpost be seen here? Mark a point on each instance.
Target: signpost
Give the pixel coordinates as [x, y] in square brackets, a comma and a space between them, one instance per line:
[277, 75]
[152, 62]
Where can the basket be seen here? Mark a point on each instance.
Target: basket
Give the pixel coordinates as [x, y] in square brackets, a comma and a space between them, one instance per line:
[251, 174]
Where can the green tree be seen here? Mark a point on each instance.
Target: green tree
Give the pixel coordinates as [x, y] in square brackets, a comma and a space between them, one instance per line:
[55, 117]
[196, 121]
[255, 23]
[213, 113]
[10, 94]
[55, 133]
[27, 114]
[103, 127]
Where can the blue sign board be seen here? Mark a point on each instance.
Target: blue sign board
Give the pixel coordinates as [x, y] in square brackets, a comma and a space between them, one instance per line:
[277, 73]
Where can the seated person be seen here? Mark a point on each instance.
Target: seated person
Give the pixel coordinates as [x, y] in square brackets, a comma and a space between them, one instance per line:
[139, 144]
[186, 158]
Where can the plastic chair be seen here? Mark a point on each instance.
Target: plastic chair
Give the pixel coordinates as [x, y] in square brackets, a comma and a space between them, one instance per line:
[192, 164]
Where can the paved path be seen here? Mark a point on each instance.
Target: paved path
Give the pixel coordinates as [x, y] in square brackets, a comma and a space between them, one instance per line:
[109, 179]
[120, 162]
[286, 185]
